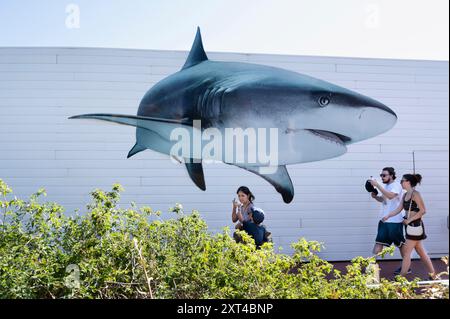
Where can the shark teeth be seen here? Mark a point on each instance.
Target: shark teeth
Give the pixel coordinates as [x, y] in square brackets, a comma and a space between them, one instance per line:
[330, 136]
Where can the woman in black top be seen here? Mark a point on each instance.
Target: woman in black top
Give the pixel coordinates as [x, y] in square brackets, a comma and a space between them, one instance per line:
[413, 204]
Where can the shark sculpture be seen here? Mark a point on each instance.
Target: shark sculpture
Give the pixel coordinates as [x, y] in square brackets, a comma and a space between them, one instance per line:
[315, 119]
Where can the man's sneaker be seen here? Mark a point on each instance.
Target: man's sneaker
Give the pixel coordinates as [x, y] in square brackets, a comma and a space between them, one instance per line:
[399, 270]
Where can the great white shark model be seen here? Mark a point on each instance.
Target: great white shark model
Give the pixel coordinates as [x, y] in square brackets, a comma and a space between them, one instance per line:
[315, 119]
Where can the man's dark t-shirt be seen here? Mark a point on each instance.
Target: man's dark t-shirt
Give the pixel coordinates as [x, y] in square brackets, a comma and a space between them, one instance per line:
[256, 231]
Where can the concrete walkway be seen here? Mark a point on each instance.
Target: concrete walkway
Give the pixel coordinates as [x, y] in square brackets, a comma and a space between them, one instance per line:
[387, 268]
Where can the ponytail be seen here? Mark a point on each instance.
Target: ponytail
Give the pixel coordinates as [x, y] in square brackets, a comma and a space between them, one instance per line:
[413, 179]
[418, 178]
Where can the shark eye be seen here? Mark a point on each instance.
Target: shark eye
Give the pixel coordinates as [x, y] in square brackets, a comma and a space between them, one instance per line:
[324, 101]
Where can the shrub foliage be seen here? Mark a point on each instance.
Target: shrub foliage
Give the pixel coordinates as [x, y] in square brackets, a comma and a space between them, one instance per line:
[111, 252]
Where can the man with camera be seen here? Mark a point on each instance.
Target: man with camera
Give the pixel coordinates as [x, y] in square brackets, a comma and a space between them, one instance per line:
[389, 195]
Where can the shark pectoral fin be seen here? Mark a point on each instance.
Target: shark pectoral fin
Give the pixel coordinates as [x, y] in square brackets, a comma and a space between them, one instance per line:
[195, 171]
[162, 127]
[135, 149]
[132, 120]
[278, 176]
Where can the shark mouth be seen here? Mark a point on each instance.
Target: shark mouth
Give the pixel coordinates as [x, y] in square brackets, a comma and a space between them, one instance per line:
[331, 136]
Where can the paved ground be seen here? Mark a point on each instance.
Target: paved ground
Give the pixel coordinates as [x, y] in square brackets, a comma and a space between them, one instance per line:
[387, 268]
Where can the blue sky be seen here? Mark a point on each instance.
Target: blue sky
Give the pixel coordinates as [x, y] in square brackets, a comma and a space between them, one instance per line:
[404, 29]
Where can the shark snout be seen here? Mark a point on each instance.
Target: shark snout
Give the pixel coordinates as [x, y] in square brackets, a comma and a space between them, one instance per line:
[373, 118]
[368, 102]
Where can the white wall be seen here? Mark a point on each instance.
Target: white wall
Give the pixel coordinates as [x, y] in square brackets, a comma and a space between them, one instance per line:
[40, 147]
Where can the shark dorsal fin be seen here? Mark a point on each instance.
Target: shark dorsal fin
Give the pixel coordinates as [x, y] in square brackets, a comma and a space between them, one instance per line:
[197, 53]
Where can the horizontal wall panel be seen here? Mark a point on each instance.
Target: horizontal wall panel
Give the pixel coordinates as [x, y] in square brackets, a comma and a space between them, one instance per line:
[40, 147]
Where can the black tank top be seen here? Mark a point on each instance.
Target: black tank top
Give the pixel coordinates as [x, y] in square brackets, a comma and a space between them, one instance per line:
[414, 206]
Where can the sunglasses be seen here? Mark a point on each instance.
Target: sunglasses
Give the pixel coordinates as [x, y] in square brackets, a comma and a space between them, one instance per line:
[384, 175]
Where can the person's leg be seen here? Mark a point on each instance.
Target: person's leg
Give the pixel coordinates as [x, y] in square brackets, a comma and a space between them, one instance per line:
[377, 249]
[382, 238]
[425, 259]
[267, 234]
[407, 250]
[403, 253]
[399, 238]
[399, 241]
[402, 250]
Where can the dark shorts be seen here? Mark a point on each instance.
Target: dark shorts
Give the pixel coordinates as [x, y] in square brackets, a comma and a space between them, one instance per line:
[390, 233]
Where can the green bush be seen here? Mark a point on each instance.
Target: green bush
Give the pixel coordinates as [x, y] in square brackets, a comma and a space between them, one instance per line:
[109, 252]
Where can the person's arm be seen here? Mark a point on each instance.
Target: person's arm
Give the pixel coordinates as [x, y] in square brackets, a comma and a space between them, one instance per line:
[394, 212]
[240, 217]
[389, 195]
[234, 216]
[377, 198]
[418, 199]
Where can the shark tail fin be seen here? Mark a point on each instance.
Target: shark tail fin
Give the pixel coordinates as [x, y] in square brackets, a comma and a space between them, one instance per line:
[197, 53]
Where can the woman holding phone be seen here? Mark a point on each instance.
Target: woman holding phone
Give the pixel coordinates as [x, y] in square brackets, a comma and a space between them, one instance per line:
[245, 205]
